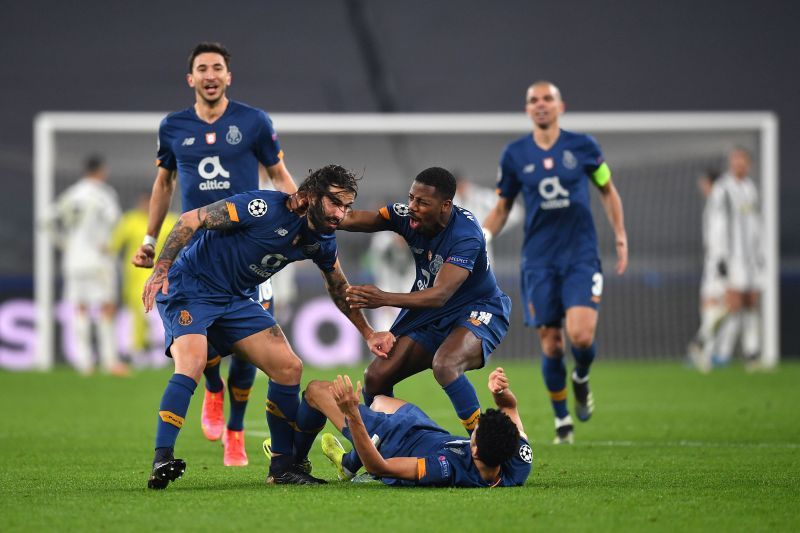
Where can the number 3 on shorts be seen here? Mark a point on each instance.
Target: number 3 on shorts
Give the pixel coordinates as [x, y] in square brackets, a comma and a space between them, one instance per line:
[597, 284]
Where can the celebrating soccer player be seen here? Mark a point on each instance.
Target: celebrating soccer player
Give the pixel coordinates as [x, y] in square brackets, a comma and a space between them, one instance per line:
[561, 273]
[218, 147]
[455, 315]
[205, 295]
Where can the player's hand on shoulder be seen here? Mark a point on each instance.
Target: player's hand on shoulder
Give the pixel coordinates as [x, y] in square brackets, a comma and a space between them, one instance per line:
[365, 297]
[380, 343]
[144, 256]
[346, 398]
[498, 381]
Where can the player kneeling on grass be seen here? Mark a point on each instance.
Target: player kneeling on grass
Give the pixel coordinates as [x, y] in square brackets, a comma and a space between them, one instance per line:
[398, 443]
[205, 296]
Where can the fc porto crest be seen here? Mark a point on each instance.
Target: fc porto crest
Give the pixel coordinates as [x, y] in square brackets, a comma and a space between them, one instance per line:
[185, 318]
[436, 264]
[569, 160]
[234, 136]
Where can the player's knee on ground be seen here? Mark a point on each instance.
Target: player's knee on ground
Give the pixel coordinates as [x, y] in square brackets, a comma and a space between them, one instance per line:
[287, 372]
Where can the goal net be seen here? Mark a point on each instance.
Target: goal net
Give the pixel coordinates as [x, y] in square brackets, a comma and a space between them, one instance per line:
[649, 313]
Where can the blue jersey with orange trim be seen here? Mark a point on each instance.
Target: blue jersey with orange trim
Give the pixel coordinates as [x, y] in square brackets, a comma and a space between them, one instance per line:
[452, 465]
[267, 237]
[217, 160]
[460, 243]
[559, 229]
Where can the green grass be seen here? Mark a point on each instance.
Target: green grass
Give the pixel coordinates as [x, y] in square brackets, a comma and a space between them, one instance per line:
[667, 449]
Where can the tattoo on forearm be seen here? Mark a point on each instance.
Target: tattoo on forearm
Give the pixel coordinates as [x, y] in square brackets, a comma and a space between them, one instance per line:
[275, 331]
[337, 284]
[176, 240]
[216, 216]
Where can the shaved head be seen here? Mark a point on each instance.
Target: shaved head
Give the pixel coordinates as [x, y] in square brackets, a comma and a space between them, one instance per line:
[544, 84]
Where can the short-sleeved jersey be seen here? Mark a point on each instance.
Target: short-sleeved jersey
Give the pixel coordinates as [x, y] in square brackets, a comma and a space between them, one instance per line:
[452, 465]
[460, 243]
[559, 229]
[443, 459]
[217, 160]
[267, 237]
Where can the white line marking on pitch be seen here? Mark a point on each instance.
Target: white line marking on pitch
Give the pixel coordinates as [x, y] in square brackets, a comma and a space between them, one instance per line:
[692, 444]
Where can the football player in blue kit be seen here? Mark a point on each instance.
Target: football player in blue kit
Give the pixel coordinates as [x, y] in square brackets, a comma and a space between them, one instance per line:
[217, 147]
[561, 274]
[455, 315]
[398, 443]
[205, 295]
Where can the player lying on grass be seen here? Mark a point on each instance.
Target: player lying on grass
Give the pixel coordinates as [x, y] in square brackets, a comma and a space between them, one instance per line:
[398, 443]
[206, 296]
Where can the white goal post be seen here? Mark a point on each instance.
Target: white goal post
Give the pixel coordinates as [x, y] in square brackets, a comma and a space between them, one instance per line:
[765, 124]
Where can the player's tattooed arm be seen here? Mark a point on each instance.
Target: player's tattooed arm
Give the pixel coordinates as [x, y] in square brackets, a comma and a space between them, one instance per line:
[379, 342]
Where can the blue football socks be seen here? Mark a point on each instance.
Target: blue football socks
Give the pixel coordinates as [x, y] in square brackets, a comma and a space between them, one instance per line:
[583, 359]
[172, 410]
[465, 400]
[282, 404]
[241, 376]
[555, 379]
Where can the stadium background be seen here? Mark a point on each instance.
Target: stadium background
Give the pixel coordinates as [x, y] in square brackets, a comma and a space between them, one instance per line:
[352, 56]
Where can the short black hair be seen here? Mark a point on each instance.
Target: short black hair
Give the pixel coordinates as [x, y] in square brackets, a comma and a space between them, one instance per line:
[93, 163]
[440, 179]
[496, 437]
[209, 48]
[320, 181]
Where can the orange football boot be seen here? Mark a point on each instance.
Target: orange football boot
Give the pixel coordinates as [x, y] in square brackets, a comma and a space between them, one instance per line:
[233, 443]
[213, 416]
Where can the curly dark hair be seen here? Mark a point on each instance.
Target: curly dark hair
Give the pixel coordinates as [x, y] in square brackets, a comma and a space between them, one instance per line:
[440, 179]
[209, 48]
[319, 181]
[496, 437]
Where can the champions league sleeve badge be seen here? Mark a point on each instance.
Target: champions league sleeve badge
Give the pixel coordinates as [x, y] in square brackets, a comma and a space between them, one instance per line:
[257, 207]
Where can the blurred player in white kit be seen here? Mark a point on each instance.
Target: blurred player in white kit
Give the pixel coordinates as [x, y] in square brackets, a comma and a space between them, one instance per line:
[87, 212]
[734, 248]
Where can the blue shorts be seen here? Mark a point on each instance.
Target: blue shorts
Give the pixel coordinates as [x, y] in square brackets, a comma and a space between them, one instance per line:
[408, 432]
[549, 291]
[488, 319]
[266, 301]
[224, 320]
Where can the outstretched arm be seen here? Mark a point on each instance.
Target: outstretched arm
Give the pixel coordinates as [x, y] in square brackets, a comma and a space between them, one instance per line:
[396, 467]
[214, 216]
[612, 205]
[336, 283]
[160, 198]
[447, 282]
[364, 222]
[504, 399]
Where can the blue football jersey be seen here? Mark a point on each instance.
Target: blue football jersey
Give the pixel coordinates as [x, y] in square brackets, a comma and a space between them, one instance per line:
[559, 229]
[460, 243]
[266, 238]
[217, 160]
[451, 465]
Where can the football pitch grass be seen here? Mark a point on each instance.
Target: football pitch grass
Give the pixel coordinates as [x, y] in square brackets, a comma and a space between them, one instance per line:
[667, 449]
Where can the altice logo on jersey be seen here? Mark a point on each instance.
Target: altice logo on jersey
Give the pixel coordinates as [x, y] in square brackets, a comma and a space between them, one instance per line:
[555, 196]
[209, 169]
